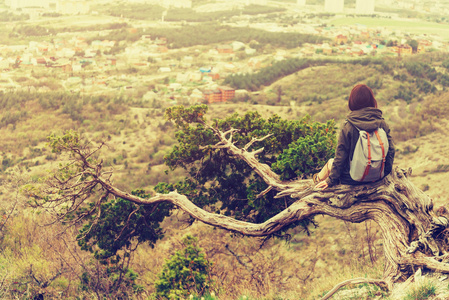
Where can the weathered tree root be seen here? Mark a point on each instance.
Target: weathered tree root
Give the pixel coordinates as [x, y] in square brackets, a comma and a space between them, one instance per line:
[379, 282]
[410, 228]
[403, 213]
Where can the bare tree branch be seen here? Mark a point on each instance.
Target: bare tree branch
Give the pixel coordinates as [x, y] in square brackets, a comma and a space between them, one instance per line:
[263, 170]
[378, 282]
[410, 228]
[254, 140]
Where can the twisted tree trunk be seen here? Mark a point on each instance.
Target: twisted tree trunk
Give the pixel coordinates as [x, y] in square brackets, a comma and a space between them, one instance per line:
[409, 226]
[414, 236]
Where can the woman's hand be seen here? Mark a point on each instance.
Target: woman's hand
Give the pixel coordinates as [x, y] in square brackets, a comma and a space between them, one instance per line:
[321, 185]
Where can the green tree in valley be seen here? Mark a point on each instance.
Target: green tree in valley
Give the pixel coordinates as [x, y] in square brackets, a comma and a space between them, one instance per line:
[414, 44]
[216, 178]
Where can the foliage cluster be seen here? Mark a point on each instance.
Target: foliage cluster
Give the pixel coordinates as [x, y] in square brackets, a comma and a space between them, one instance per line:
[121, 225]
[191, 15]
[96, 27]
[70, 104]
[315, 2]
[280, 69]
[121, 33]
[12, 118]
[186, 273]
[6, 16]
[29, 30]
[138, 11]
[206, 34]
[423, 70]
[112, 228]
[52, 14]
[268, 75]
[29, 265]
[405, 94]
[216, 178]
[303, 154]
[155, 12]
[21, 33]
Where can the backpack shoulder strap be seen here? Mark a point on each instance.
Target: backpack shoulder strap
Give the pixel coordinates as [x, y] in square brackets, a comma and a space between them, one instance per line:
[383, 153]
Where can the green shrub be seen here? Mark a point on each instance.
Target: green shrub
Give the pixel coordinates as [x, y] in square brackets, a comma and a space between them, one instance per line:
[185, 273]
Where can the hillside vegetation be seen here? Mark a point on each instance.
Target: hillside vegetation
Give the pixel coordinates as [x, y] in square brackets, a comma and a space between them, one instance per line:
[41, 257]
[139, 137]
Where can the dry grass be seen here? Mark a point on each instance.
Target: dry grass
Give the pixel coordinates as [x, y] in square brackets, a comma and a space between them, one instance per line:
[34, 255]
[304, 268]
[422, 287]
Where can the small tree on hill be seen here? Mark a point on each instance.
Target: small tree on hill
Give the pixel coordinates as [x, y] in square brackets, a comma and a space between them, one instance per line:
[185, 273]
[228, 187]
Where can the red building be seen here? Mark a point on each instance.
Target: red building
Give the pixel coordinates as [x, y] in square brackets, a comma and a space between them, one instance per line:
[341, 39]
[221, 94]
[212, 96]
[227, 93]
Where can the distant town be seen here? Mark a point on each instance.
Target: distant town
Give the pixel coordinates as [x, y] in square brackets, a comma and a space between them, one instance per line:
[151, 70]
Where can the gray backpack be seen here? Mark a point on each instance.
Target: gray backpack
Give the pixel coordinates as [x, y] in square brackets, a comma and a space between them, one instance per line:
[368, 161]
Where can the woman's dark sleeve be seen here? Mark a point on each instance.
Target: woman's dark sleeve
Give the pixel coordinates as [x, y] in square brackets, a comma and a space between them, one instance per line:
[390, 155]
[341, 156]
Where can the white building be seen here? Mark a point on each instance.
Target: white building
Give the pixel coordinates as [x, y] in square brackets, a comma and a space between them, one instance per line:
[15, 4]
[334, 6]
[364, 7]
[61, 6]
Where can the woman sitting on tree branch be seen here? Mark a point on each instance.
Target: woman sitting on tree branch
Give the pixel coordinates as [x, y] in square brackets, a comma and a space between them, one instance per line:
[364, 116]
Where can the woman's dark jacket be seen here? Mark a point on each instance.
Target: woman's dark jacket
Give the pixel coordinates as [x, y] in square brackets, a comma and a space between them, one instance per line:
[367, 119]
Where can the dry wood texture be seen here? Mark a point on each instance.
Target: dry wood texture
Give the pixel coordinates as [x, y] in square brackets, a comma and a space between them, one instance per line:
[414, 236]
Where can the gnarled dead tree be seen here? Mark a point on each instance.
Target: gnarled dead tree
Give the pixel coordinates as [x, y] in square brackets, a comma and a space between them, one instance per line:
[414, 236]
